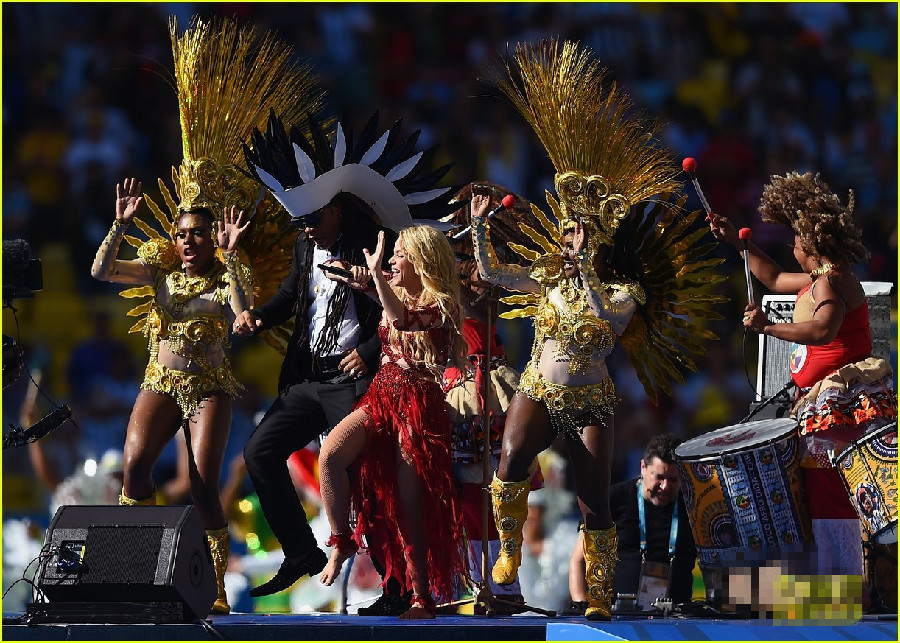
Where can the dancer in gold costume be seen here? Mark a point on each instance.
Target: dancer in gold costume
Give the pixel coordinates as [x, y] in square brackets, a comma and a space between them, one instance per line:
[609, 271]
[226, 242]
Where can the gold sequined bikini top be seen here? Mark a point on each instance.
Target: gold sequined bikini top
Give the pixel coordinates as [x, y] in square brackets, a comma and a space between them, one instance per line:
[191, 335]
[577, 333]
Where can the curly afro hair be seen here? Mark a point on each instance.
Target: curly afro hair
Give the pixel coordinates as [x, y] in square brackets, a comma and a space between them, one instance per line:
[825, 227]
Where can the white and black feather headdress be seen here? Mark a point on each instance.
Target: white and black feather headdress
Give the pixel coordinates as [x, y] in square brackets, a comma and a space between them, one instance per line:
[391, 178]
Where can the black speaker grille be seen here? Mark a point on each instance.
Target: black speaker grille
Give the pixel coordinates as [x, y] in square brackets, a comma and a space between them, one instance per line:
[122, 553]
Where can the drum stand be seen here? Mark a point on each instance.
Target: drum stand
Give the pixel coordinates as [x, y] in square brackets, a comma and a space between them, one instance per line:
[483, 596]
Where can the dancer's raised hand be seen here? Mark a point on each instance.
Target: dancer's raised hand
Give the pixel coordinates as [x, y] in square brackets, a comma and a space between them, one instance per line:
[230, 228]
[128, 199]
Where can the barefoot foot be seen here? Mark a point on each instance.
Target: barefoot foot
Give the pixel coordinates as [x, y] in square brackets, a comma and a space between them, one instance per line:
[333, 566]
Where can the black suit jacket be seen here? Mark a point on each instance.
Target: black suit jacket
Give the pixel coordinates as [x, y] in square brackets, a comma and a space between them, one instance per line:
[297, 365]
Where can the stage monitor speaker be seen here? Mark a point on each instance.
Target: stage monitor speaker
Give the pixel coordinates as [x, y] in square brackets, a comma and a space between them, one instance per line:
[773, 366]
[129, 555]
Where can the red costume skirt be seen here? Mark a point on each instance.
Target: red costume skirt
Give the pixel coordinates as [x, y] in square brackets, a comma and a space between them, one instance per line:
[411, 411]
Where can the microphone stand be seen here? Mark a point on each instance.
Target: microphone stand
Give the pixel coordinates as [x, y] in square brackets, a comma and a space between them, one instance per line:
[767, 401]
[484, 596]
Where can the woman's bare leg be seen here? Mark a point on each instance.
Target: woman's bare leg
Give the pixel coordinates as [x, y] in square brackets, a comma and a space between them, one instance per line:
[343, 445]
[412, 533]
[206, 439]
[528, 432]
[591, 459]
[154, 421]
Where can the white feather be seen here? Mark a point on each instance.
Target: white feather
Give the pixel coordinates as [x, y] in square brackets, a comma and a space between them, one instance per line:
[402, 169]
[304, 164]
[415, 198]
[340, 147]
[268, 180]
[375, 151]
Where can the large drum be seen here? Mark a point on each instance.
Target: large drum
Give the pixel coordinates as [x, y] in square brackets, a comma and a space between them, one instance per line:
[869, 469]
[744, 493]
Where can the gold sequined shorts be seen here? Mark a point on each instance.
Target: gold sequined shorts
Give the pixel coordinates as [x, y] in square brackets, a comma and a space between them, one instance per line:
[571, 408]
[189, 389]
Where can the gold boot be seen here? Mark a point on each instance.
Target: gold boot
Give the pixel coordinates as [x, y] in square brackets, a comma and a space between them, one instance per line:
[124, 500]
[600, 557]
[220, 548]
[510, 502]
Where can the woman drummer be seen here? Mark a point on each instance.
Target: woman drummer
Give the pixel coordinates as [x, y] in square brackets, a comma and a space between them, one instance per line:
[843, 391]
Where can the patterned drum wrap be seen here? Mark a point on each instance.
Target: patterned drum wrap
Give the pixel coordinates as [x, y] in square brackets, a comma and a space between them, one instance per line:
[869, 469]
[744, 492]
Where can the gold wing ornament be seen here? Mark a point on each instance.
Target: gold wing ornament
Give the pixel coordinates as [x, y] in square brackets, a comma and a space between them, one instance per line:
[227, 79]
[666, 336]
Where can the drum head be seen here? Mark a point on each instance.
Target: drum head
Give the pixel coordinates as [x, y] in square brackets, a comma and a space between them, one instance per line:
[736, 438]
[882, 441]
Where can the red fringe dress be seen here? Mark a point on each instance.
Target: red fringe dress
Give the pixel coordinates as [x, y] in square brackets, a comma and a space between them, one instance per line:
[409, 407]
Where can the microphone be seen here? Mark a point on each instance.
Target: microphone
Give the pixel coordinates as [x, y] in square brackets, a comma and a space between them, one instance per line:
[53, 420]
[689, 165]
[508, 201]
[341, 272]
[745, 234]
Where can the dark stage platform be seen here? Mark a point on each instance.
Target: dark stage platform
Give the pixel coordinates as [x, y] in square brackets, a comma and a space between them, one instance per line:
[331, 627]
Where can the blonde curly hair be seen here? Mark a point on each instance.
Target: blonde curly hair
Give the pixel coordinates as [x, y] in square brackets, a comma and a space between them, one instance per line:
[824, 226]
[429, 252]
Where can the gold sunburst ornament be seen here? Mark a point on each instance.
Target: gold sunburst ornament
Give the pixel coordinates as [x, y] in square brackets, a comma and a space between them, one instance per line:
[227, 79]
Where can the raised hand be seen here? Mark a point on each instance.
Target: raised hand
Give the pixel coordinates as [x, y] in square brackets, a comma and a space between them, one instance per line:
[128, 199]
[230, 228]
[722, 229]
[480, 205]
[579, 238]
[373, 260]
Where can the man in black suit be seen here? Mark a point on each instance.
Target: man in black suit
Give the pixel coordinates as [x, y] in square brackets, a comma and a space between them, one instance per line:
[330, 361]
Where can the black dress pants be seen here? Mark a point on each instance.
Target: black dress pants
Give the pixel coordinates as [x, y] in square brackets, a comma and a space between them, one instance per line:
[299, 414]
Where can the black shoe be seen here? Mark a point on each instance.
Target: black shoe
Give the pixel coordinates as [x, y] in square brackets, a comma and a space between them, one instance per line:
[290, 572]
[576, 608]
[387, 605]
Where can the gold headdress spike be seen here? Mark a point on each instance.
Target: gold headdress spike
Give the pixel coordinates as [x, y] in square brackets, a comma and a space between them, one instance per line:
[604, 157]
[227, 79]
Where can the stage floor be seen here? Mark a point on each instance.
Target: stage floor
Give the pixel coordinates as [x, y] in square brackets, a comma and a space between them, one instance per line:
[523, 627]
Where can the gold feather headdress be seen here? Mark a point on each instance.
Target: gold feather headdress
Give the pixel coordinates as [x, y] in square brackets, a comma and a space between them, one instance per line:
[227, 79]
[604, 157]
[608, 169]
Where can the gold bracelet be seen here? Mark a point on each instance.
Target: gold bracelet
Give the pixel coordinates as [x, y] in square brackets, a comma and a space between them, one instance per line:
[120, 223]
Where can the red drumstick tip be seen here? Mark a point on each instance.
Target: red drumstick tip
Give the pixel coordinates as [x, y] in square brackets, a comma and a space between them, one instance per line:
[508, 201]
[745, 233]
[689, 164]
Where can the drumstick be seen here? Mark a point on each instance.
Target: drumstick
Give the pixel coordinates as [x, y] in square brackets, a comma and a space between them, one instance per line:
[745, 234]
[689, 165]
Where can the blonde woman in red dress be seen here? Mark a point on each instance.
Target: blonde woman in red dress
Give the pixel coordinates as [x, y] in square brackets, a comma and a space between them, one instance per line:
[396, 443]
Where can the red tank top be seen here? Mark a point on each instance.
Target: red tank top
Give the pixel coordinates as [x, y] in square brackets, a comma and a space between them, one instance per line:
[853, 342]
